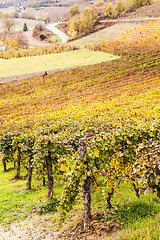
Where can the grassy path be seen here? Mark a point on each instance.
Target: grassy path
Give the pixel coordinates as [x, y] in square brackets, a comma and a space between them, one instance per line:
[18, 66]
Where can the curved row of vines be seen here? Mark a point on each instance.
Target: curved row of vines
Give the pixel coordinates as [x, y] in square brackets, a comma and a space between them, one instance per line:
[100, 153]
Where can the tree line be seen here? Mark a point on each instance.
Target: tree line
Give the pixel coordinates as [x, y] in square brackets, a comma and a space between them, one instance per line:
[83, 23]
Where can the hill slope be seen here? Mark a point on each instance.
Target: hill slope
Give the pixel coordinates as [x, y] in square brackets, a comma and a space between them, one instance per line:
[152, 10]
[107, 33]
[137, 72]
[76, 102]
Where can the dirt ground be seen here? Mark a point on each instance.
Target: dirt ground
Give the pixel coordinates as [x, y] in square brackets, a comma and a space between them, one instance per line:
[43, 227]
[36, 228]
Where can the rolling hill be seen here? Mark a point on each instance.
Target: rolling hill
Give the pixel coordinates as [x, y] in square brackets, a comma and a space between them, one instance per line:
[116, 105]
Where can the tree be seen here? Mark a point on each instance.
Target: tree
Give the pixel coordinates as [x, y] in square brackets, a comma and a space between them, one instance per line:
[73, 26]
[88, 20]
[25, 28]
[29, 144]
[86, 188]
[119, 7]
[98, 4]
[109, 10]
[8, 23]
[18, 162]
[74, 10]
[82, 24]
[6, 148]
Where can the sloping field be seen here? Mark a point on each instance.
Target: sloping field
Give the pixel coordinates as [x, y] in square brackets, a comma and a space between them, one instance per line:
[144, 39]
[107, 33]
[152, 10]
[137, 72]
[18, 66]
[121, 98]
[80, 87]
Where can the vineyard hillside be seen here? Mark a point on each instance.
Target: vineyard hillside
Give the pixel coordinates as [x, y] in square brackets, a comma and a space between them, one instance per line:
[82, 145]
[137, 72]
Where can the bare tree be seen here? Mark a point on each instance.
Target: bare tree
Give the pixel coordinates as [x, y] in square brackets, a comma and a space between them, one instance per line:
[8, 23]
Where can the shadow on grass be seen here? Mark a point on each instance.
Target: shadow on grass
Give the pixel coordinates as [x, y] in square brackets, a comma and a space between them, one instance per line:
[50, 207]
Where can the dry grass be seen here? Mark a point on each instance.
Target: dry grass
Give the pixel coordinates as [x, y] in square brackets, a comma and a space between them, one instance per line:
[107, 33]
[152, 10]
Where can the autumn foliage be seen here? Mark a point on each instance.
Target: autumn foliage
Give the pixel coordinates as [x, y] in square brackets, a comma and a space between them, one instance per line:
[143, 39]
[15, 52]
[109, 109]
[82, 24]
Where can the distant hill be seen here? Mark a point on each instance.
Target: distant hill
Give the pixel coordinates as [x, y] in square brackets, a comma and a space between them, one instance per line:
[39, 3]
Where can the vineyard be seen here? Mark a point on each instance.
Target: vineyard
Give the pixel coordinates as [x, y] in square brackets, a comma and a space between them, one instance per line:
[90, 131]
[144, 39]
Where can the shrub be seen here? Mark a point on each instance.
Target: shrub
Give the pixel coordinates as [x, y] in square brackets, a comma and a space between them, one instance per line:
[109, 10]
[28, 16]
[41, 32]
[56, 48]
[119, 7]
[49, 207]
[132, 5]
[74, 10]
[99, 4]
[14, 41]
[80, 25]
[25, 28]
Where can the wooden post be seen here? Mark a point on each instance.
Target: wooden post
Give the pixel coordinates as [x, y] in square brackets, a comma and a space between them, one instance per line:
[14, 164]
[86, 189]
[4, 165]
[49, 175]
[44, 179]
[110, 194]
[18, 162]
[29, 176]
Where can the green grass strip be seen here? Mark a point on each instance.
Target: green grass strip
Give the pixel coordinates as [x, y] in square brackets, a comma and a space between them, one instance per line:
[18, 66]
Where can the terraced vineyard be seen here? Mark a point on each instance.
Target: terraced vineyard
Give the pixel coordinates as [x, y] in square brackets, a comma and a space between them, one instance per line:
[144, 39]
[93, 124]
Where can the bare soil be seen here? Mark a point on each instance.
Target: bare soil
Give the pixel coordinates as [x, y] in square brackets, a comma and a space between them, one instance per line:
[43, 227]
[98, 230]
[36, 228]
